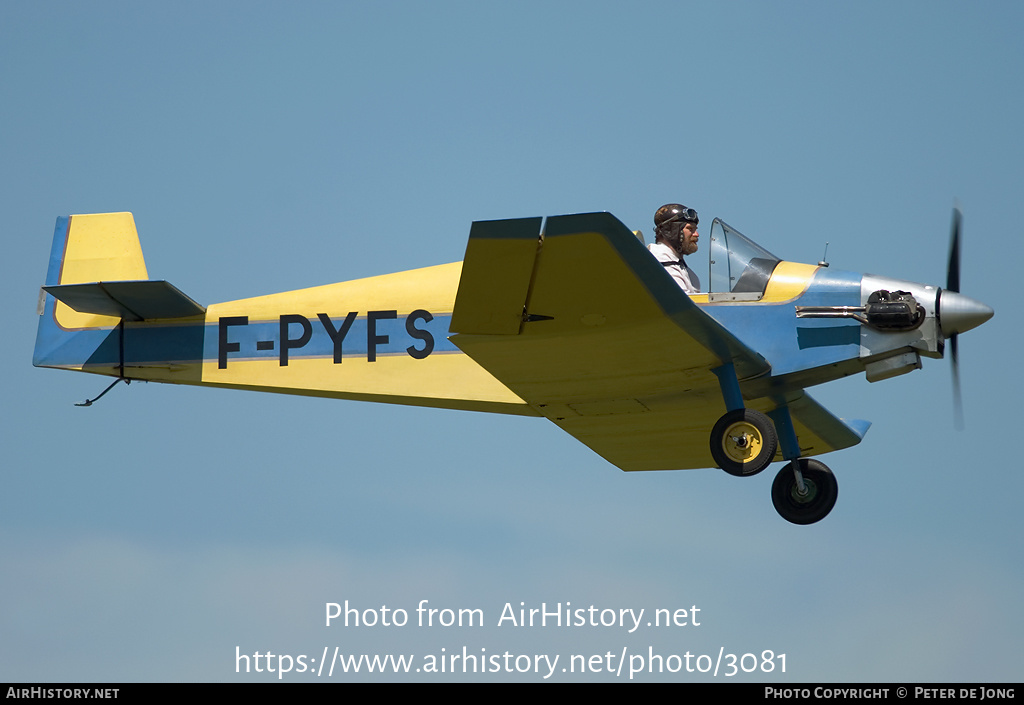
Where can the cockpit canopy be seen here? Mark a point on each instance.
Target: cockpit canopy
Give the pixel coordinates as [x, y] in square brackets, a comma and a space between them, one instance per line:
[739, 266]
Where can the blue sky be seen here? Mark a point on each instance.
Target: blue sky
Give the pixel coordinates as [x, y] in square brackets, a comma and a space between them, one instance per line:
[265, 147]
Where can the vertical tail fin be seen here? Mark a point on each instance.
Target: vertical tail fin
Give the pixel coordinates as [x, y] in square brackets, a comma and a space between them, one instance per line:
[86, 249]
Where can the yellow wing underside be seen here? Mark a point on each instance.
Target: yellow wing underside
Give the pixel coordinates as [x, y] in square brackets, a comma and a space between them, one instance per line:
[608, 347]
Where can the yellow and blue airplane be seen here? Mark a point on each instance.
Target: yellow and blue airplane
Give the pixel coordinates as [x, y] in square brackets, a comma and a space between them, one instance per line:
[567, 317]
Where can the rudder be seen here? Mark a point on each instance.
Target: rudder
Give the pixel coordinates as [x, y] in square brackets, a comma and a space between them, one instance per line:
[86, 248]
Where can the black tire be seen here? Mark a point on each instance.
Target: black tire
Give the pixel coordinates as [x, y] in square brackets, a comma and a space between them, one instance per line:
[822, 493]
[743, 442]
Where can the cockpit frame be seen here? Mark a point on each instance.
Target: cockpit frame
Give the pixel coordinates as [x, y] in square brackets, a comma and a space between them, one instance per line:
[739, 268]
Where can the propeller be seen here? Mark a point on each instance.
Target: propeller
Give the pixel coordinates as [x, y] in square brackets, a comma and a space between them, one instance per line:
[957, 313]
[953, 284]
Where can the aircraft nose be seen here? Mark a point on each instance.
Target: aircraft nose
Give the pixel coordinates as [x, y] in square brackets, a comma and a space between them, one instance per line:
[959, 313]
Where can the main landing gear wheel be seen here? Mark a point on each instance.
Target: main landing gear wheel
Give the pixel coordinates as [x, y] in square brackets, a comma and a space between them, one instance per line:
[743, 442]
[821, 492]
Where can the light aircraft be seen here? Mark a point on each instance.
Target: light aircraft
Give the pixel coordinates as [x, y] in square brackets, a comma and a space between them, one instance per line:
[569, 318]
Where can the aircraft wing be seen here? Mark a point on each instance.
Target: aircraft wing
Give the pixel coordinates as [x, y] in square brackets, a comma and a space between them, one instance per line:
[819, 430]
[586, 326]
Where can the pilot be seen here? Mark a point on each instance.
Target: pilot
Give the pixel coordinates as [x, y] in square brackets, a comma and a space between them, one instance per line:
[675, 236]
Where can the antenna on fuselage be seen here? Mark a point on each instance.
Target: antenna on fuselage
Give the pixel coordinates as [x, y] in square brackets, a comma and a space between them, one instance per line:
[824, 262]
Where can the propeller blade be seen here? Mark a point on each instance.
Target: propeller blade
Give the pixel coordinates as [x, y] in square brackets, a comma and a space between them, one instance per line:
[958, 406]
[953, 284]
[953, 270]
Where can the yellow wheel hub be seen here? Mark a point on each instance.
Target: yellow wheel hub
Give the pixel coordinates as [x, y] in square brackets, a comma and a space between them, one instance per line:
[742, 442]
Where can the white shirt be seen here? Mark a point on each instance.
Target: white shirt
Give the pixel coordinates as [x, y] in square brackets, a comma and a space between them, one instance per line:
[685, 277]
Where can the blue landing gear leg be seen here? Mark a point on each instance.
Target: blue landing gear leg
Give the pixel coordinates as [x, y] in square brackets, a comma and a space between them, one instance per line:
[743, 441]
[805, 490]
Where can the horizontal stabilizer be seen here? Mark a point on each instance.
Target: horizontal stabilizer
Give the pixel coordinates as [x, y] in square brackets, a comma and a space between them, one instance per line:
[130, 300]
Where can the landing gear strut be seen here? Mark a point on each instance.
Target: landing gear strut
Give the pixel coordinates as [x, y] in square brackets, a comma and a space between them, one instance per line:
[744, 442]
[810, 503]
